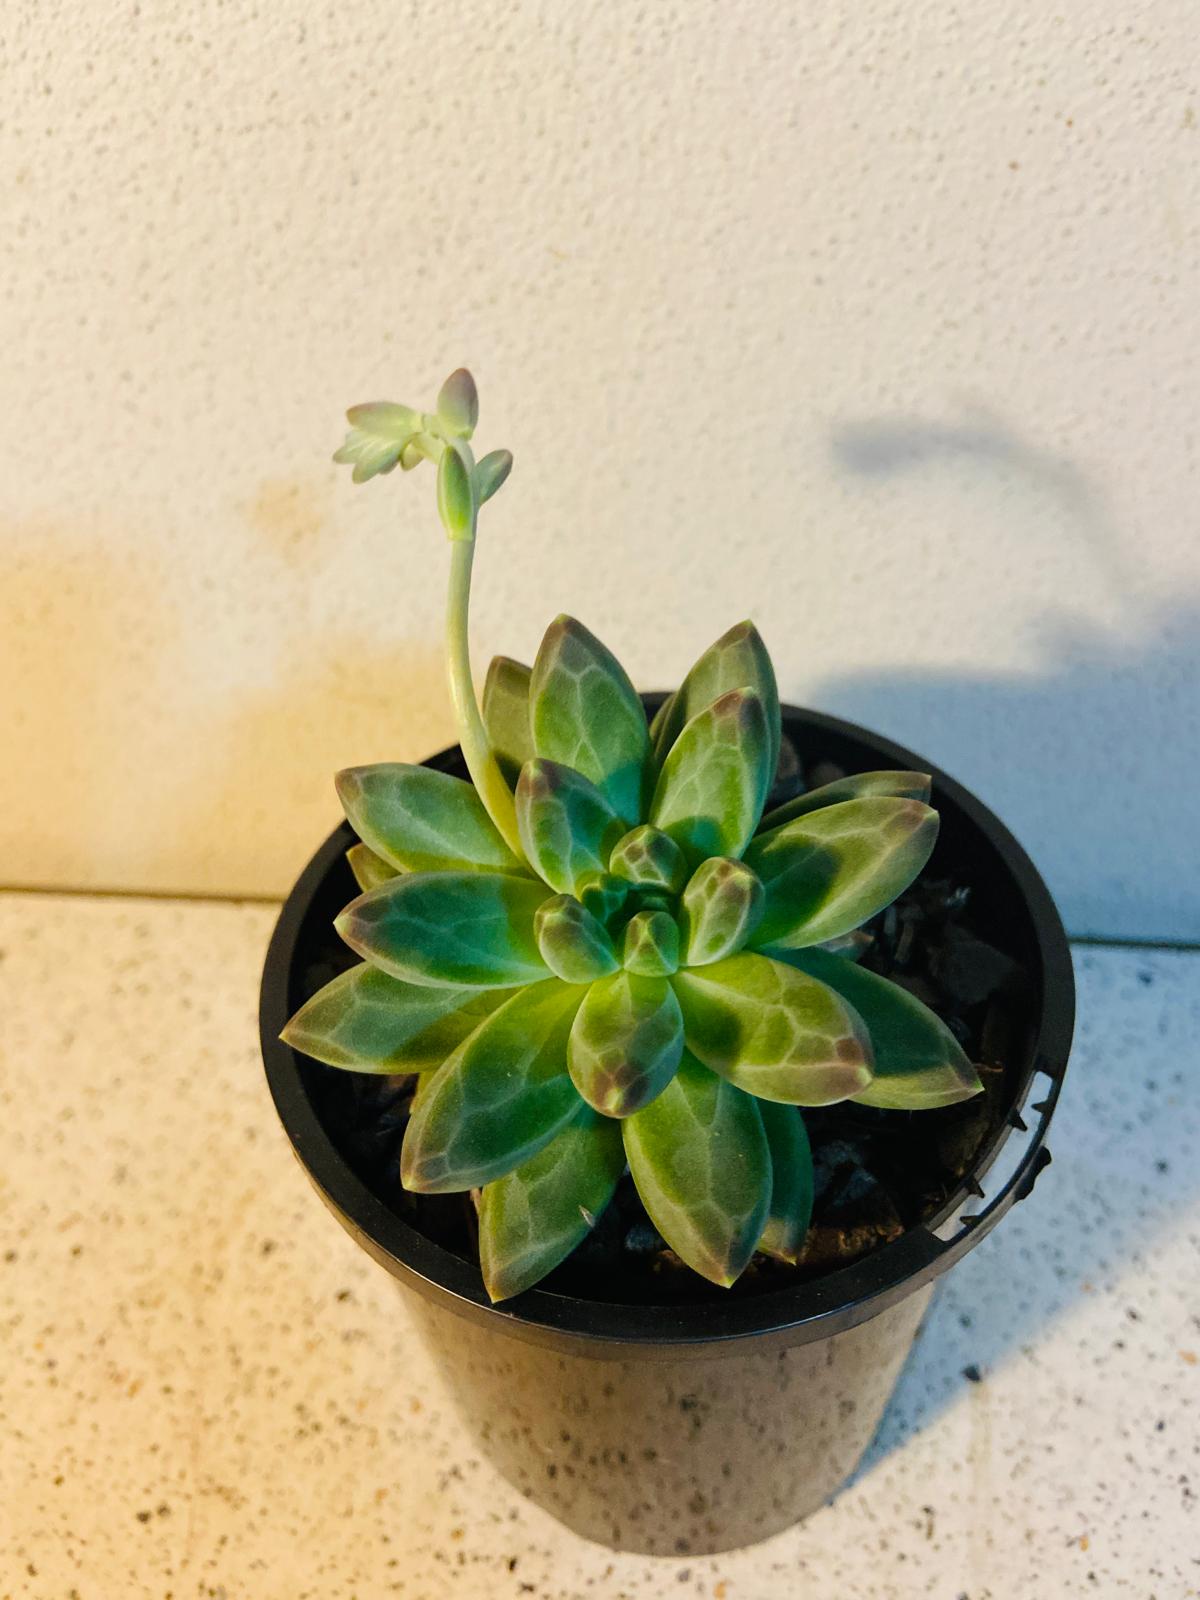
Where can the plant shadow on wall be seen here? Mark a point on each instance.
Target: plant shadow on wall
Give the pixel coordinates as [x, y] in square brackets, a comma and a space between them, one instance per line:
[1092, 756]
[1092, 759]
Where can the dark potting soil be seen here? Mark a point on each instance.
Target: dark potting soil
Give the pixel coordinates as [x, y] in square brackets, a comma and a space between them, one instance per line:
[877, 1172]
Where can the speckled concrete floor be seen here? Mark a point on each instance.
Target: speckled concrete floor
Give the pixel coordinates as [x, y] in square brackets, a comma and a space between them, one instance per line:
[206, 1390]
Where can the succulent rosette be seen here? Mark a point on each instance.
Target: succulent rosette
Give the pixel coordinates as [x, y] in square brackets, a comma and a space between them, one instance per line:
[600, 954]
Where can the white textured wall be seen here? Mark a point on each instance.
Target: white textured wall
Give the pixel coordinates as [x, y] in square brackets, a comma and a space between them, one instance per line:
[876, 322]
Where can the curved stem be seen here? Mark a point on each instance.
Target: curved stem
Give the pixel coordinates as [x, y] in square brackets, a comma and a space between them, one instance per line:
[476, 747]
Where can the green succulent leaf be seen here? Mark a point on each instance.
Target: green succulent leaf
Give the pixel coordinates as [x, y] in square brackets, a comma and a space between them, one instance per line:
[468, 929]
[719, 911]
[379, 432]
[649, 858]
[532, 1219]
[499, 1099]
[491, 472]
[456, 497]
[567, 826]
[411, 456]
[419, 820]
[626, 1042]
[713, 783]
[458, 404]
[369, 1022]
[369, 869]
[602, 893]
[919, 1064]
[791, 1181]
[573, 944]
[738, 660]
[828, 872]
[652, 944]
[585, 714]
[748, 1019]
[700, 1160]
[506, 715]
[858, 786]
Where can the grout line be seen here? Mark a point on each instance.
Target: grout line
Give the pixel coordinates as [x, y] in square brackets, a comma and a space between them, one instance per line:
[1098, 941]
[187, 896]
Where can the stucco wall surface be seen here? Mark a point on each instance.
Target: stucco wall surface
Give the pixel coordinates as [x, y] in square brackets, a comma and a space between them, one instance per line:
[875, 322]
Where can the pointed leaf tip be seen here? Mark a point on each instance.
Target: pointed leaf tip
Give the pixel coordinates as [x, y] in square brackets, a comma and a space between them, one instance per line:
[491, 472]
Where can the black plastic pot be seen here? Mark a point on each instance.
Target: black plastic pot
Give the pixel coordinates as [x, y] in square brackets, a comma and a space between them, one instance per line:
[691, 1428]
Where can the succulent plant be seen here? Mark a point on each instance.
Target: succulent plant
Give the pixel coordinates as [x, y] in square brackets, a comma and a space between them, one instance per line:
[600, 954]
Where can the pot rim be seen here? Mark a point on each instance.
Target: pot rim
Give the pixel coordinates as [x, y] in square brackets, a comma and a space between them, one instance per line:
[792, 1315]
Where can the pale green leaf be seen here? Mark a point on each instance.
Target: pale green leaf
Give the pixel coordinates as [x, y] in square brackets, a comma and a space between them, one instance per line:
[711, 789]
[573, 944]
[379, 432]
[858, 786]
[369, 869]
[750, 1020]
[651, 944]
[567, 826]
[532, 1219]
[649, 858]
[585, 714]
[456, 497]
[468, 929]
[791, 1181]
[422, 821]
[499, 1099]
[738, 660]
[506, 715]
[719, 910]
[490, 473]
[369, 1022]
[828, 872]
[458, 404]
[626, 1042]
[700, 1160]
[919, 1064]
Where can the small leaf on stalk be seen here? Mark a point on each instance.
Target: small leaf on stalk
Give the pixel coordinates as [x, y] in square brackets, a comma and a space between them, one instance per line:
[573, 944]
[738, 660]
[626, 1042]
[791, 1181]
[506, 715]
[649, 858]
[422, 821]
[467, 929]
[585, 714]
[379, 433]
[652, 944]
[491, 472]
[458, 404]
[858, 786]
[566, 825]
[500, 1097]
[369, 1022]
[711, 789]
[748, 1019]
[919, 1064]
[719, 910]
[827, 873]
[369, 869]
[532, 1219]
[456, 500]
[701, 1164]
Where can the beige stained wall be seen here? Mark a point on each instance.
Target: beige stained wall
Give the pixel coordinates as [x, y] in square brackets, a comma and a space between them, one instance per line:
[878, 323]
